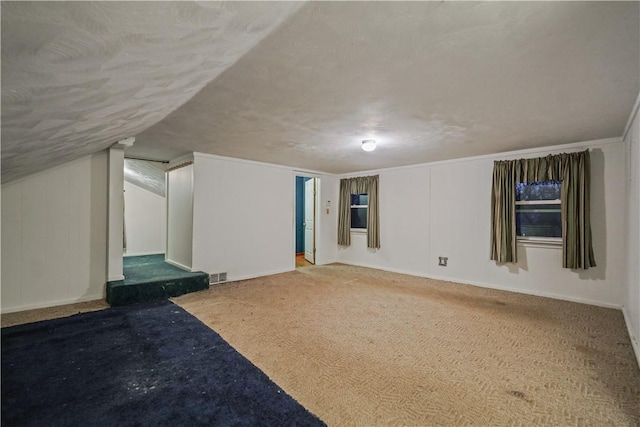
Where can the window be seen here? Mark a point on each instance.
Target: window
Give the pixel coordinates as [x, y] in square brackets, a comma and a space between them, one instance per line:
[359, 207]
[538, 216]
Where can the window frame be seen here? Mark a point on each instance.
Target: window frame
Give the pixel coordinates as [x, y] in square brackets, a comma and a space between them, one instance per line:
[351, 207]
[538, 241]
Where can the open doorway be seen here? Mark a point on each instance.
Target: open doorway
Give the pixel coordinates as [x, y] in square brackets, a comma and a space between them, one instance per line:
[145, 208]
[305, 221]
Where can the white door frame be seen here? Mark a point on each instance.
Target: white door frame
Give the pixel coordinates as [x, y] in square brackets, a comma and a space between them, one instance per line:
[316, 213]
[310, 218]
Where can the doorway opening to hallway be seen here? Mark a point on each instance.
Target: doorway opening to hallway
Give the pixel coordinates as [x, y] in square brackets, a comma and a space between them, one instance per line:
[305, 220]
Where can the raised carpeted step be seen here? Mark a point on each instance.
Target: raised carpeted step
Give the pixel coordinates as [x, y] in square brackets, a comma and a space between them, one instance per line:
[149, 278]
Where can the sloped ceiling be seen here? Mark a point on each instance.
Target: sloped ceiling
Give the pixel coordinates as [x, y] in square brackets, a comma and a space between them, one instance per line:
[304, 84]
[79, 76]
[147, 175]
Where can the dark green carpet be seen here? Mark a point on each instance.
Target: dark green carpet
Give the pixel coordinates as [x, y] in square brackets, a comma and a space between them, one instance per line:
[152, 268]
[149, 278]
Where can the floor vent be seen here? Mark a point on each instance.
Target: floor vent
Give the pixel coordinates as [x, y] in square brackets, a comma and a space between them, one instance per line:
[217, 278]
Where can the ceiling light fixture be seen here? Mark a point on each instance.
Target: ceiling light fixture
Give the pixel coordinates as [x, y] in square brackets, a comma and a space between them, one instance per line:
[368, 145]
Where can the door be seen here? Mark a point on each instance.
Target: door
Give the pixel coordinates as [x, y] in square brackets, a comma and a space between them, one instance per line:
[309, 220]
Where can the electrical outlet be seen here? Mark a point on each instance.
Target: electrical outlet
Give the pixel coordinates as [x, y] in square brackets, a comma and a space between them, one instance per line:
[442, 261]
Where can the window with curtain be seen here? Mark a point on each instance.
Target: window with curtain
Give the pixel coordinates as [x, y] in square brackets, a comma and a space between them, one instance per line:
[359, 186]
[573, 170]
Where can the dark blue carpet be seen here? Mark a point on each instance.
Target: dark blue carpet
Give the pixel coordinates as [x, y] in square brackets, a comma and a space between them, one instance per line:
[151, 364]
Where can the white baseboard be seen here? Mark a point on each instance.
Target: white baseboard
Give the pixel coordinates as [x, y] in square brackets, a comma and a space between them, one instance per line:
[177, 264]
[533, 292]
[115, 278]
[492, 286]
[143, 254]
[634, 340]
[254, 276]
[326, 262]
[52, 303]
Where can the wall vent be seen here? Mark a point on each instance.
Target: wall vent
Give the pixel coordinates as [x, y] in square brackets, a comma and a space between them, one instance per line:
[222, 277]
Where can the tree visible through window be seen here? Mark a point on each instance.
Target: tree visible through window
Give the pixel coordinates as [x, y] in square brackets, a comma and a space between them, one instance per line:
[359, 207]
[538, 210]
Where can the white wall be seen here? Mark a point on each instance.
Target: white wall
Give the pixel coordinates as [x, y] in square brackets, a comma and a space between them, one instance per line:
[443, 209]
[244, 218]
[145, 218]
[631, 295]
[326, 223]
[115, 206]
[54, 236]
[180, 216]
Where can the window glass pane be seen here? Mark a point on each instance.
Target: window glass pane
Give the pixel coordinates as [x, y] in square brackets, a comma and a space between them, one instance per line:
[359, 218]
[359, 199]
[544, 190]
[359, 215]
[538, 220]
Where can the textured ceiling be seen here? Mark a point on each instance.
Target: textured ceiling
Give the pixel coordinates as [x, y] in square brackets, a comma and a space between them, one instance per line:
[147, 175]
[303, 84]
[78, 76]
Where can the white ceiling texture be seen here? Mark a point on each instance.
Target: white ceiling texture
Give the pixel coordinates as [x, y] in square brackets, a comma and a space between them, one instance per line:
[302, 84]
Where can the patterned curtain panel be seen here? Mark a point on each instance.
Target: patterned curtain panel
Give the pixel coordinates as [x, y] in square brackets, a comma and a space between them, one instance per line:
[574, 170]
[359, 185]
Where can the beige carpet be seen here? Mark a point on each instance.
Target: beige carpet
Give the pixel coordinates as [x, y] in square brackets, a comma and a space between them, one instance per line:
[365, 347]
[37, 315]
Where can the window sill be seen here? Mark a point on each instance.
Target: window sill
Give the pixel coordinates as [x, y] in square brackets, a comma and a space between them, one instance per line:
[540, 242]
[359, 230]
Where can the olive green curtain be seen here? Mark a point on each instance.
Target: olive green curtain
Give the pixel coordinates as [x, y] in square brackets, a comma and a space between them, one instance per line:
[373, 216]
[577, 248]
[359, 185]
[344, 213]
[503, 213]
[574, 170]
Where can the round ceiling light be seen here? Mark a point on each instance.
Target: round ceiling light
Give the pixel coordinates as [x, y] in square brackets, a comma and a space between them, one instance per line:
[368, 145]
